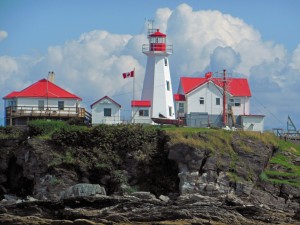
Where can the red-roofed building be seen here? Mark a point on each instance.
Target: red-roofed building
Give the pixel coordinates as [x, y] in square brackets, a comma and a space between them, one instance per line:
[43, 99]
[106, 111]
[141, 111]
[199, 100]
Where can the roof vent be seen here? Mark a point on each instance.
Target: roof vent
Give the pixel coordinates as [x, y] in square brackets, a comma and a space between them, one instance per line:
[208, 75]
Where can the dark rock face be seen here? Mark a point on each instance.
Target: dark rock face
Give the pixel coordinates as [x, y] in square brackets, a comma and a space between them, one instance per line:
[187, 209]
[202, 171]
[213, 187]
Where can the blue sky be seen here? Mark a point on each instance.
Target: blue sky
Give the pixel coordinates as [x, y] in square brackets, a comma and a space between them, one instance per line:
[35, 34]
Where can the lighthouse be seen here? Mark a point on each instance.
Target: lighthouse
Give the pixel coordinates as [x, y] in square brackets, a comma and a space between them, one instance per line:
[157, 87]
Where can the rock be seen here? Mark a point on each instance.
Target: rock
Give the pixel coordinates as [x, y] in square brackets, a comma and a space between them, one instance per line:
[297, 215]
[11, 198]
[83, 222]
[297, 161]
[83, 190]
[3, 210]
[31, 199]
[233, 200]
[164, 198]
[144, 195]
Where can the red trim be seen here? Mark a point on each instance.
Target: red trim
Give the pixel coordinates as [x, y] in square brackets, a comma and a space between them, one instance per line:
[105, 97]
[142, 103]
[42, 89]
[179, 97]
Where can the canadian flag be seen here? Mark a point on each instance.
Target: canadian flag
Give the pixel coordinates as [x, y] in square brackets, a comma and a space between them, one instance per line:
[129, 74]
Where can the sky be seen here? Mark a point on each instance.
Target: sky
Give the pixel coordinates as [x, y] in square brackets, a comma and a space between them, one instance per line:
[90, 43]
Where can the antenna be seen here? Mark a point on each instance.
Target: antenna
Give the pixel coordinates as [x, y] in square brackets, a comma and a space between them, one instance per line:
[150, 27]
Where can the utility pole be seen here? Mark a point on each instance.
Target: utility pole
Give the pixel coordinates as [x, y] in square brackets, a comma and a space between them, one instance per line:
[224, 98]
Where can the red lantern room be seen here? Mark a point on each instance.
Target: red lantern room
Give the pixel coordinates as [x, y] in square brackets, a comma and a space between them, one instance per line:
[157, 41]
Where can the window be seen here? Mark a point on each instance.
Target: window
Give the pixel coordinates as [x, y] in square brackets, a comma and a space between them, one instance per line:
[166, 61]
[107, 111]
[168, 86]
[12, 104]
[61, 105]
[235, 102]
[218, 101]
[170, 111]
[201, 100]
[143, 112]
[41, 104]
[181, 107]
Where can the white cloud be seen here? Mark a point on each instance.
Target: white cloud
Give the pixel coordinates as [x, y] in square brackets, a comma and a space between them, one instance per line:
[3, 35]
[224, 58]
[196, 34]
[295, 62]
[95, 62]
[8, 67]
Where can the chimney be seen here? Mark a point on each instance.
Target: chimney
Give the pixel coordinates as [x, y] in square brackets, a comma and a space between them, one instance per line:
[51, 76]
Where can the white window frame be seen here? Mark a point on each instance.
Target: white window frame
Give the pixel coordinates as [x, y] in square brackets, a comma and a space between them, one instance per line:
[181, 107]
[236, 102]
[107, 112]
[201, 101]
[168, 85]
[41, 104]
[61, 105]
[144, 112]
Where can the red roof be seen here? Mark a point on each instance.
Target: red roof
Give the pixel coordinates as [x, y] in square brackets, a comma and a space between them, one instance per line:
[236, 86]
[142, 103]
[179, 97]
[157, 34]
[105, 97]
[42, 89]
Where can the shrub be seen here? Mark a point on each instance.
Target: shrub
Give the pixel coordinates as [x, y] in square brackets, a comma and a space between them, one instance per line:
[44, 127]
[11, 132]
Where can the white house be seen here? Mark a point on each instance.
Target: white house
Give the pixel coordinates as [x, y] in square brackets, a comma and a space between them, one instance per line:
[141, 111]
[106, 111]
[199, 101]
[42, 99]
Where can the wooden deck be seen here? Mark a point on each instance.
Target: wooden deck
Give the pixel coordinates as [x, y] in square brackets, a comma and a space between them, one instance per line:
[15, 113]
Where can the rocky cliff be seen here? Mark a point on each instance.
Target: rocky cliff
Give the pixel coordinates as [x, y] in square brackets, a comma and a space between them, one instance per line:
[131, 174]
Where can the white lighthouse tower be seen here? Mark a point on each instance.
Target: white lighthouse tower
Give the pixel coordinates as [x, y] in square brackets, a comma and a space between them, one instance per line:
[157, 86]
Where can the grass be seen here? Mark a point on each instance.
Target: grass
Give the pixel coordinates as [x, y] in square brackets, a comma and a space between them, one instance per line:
[281, 169]
[200, 138]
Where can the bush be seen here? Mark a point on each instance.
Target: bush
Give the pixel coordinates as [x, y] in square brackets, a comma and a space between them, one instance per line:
[11, 132]
[44, 127]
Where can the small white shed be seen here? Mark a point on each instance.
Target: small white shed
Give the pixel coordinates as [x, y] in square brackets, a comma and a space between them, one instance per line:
[141, 111]
[106, 111]
[253, 122]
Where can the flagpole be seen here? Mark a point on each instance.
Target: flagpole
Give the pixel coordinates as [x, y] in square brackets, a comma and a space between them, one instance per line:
[133, 81]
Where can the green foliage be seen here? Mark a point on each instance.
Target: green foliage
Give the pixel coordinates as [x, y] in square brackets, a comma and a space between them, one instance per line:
[282, 170]
[44, 127]
[108, 150]
[11, 132]
[233, 177]
[131, 189]
[47, 128]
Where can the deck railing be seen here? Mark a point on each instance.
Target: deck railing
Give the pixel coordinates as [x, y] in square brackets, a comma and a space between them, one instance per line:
[34, 111]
